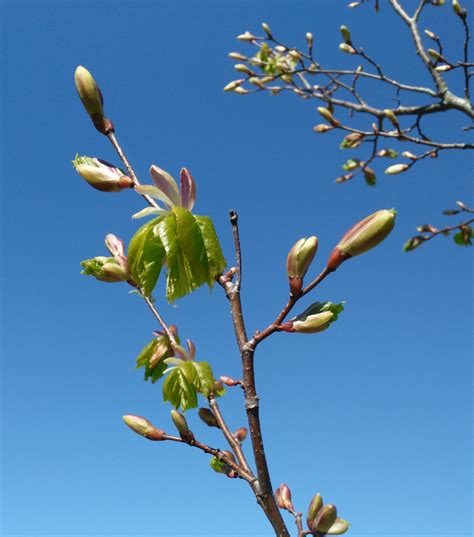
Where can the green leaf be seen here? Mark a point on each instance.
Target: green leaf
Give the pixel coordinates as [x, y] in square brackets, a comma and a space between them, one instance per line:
[217, 465]
[179, 391]
[146, 255]
[185, 380]
[158, 350]
[215, 257]
[193, 252]
[463, 238]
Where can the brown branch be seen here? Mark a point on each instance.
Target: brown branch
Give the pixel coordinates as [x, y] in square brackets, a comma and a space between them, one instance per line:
[158, 317]
[234, 444]
[263, 490]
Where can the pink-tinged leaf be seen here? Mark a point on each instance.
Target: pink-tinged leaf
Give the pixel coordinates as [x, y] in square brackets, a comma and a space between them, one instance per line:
[148, 211]
[191, 349]
[156, 193]
[188, 189]
[165, 182]
[179, 351]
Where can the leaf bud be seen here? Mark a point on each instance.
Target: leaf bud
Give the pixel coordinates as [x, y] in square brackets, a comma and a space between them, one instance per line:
[363, 236]
[228, 381]
[431, 35]
[348, 49]
[443, 68]
[234, 84]
[240, 434]
[325, 518]
[287, 78]
[256, 82]
[396, 169]
[91, 98]
[409, 155]
[326, 114]
[460, 12]
[237, 56]
[370, 176]
[435, 55]
[143, 427]
[339, 527]
[241, 91]
[246, 36]
[322, 127]
[298, 261]
[242, 68]
[315, 318]
[346, 35]
[105, 269]
[295, 55]
[413, 243]
[353, 5]
[351, 141]
[313, 509]
[101, 175]
[208, 417]
[309, 40]
[267, 30]
[390, 115]
[278, 499]
[182, 426]
[285, 497]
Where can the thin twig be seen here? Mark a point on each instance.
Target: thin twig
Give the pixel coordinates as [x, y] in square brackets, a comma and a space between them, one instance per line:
[234, 217]
[165, 327]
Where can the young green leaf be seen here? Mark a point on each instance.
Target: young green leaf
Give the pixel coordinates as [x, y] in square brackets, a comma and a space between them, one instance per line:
[146, 255]
[153, 356]
[179, 391]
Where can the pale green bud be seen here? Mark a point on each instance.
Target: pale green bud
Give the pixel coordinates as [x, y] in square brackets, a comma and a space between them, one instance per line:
[182, 426]
[241, 91]
[267, 30]
[431, 35]
[322, 127]
[143, 427]
[314, 508]
[326, 114]
[325, 519]
[242, 68]
[390, 115]
[105, 269]
[346, 35]
[396, 169]
[309, 40]
[238, 56]
[234, 84]
[339, 527]
[435, 55]
[314, 319]
[299, 259]
[246, 36]
[363, 236]
[101, 175]
[370, 176]
[348, 49]
[443, 68]
[91, 98]
[460, 12]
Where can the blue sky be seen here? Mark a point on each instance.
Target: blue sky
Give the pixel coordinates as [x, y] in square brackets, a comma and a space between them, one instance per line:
[375, 413]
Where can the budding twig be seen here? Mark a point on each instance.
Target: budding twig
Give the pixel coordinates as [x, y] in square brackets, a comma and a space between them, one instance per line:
[165, 327]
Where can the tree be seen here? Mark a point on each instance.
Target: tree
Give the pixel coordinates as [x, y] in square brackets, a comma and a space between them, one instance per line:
[187, 246]
[278, 67]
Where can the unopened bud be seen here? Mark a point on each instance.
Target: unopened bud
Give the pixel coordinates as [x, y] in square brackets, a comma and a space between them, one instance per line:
[346, 35]
[237, 56]
[348, 49]
[246, 36]
[287, 78]
[443, 68]
[460, 12]
[241, 91]
[285, 496]
[267, 30]
[389, 153]
[234, 84]
[409, 155]
[101, 175]
[91, 98]
[390, 115]
[313, 509]
[105, 269]
[278, 499]
[363, 236]
[315, 318]
[339, 527]
[309, 40]
[208, 417]
[435, 55]
[326, 114]
[240, 434]
[229, 456]
[325, 519]
[370, 176]
[242, 68]
[228, 381]
[143, 427]
[431, 35]
[396, 169]
[298, 261]
[182, 426]
[322, 127]
[256, 82]
[413, 243]
[351, 141]
[353, 4]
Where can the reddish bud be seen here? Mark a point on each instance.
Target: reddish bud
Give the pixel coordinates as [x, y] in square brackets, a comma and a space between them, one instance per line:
[208, 417]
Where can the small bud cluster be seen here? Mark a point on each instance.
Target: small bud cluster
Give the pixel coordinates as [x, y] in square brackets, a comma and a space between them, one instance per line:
[109, 269]
[323, 520]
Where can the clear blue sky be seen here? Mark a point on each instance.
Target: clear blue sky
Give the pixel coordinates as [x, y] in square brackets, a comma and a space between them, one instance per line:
[375, 413]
